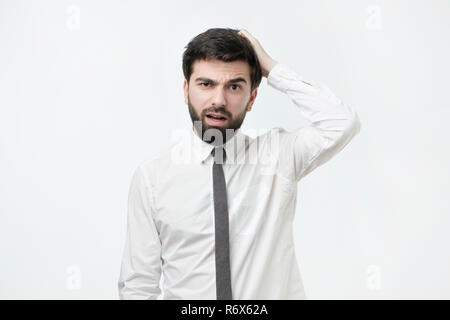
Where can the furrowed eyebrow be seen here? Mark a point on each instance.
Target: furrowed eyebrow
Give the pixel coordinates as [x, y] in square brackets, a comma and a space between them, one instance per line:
[235, 80]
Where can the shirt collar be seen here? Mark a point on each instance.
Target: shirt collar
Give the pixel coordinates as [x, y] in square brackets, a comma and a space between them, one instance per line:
[233, 147]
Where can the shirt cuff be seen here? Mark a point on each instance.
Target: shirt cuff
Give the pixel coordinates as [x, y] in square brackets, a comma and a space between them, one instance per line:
[281, 77]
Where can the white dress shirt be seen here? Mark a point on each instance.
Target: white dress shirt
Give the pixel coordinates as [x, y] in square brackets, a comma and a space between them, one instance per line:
[170, 228]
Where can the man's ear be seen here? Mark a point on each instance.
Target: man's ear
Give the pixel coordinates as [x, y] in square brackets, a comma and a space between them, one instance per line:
[186, 91]
[252, 99]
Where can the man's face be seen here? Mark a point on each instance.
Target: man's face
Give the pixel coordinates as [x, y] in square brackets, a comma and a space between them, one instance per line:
[219, 89]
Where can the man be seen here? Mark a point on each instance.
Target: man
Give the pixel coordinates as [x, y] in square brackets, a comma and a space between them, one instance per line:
[214, 214]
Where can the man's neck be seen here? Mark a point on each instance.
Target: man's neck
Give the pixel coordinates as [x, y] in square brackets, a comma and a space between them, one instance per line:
[229, 137]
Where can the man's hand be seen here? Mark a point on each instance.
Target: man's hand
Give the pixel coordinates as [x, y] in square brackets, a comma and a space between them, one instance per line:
[265, 61]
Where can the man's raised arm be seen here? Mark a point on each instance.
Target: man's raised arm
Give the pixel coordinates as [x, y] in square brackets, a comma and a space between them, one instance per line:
[333, 123]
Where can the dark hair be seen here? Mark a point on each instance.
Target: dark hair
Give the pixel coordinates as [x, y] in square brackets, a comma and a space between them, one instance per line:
[224, 44]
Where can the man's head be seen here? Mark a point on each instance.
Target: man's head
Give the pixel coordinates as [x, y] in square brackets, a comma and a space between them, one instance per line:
[222, 74]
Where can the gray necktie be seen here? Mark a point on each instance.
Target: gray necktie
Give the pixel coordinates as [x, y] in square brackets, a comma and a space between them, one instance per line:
[223, 274]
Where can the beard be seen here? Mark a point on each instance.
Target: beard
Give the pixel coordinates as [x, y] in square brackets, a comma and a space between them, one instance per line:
[216, 135]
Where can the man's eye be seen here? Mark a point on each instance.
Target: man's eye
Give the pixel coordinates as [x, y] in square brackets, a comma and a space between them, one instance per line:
[234, 87]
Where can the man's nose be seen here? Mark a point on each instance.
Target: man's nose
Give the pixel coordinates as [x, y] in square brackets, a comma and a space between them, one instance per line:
[218, 98]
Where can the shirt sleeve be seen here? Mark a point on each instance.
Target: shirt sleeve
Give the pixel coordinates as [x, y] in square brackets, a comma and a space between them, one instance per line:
[141, 261]
[333, 123]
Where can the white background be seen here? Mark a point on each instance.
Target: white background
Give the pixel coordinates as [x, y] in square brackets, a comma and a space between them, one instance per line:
[89, 89]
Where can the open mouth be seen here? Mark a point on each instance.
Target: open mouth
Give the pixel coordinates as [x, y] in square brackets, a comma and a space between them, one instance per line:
[216, 118]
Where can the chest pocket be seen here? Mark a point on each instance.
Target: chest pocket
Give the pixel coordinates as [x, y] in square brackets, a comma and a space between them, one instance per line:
[254, 206]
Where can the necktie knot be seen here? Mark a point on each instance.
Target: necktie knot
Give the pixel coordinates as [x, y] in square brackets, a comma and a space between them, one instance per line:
[219, 155]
